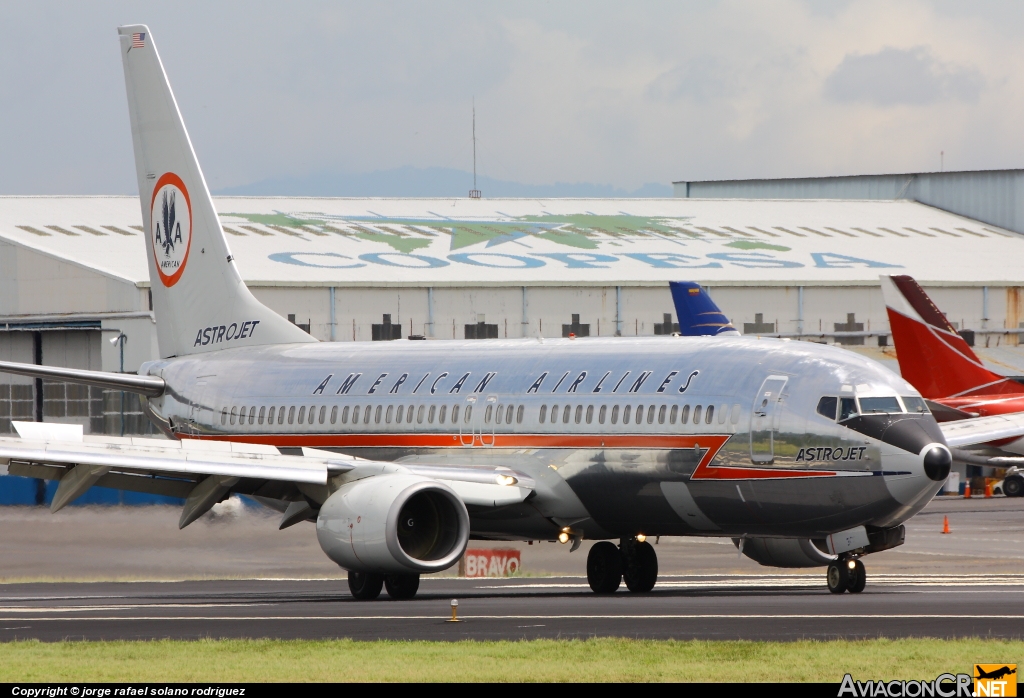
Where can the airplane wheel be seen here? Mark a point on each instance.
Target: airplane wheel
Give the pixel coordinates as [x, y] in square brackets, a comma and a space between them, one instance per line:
[365, 586]
[641, 572]
[837, 577]
[604, 568]
[402, 586]
[1013, 486]
[858, 578]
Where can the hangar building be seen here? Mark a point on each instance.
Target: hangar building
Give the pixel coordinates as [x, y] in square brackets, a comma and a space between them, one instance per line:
[73, 274]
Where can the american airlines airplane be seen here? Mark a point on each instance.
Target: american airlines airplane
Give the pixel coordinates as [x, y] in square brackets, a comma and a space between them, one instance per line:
[400, 452]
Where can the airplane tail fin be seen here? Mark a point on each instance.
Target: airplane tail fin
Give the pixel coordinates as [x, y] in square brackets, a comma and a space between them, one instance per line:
[200, 301]
[698, 315]
[933, 357]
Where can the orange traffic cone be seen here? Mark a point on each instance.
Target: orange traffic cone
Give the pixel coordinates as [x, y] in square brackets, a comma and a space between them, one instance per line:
[967, 491]
[945, 524]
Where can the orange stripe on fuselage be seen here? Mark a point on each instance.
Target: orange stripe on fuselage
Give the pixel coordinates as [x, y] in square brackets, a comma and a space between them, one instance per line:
[713, 442]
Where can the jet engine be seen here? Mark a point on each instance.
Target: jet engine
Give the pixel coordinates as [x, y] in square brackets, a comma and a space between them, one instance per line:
[784, 552]
[393, 524]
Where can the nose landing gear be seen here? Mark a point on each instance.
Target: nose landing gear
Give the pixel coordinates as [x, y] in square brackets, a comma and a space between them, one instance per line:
[633, 561]
[846, 574]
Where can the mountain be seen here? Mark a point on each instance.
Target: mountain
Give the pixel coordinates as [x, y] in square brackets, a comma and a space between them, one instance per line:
[430, 182]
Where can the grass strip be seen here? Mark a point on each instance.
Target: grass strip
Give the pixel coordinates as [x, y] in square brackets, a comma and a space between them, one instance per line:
[599, 659]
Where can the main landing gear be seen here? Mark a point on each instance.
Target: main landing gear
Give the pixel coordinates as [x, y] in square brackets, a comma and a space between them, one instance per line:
[633, 561]
[366, 586]
[846, 574]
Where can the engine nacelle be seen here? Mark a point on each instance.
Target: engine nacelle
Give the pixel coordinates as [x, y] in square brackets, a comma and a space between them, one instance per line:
[394, 523]
[784, 552]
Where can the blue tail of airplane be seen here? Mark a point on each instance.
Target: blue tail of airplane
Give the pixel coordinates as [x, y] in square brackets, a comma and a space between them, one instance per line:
[698, 314]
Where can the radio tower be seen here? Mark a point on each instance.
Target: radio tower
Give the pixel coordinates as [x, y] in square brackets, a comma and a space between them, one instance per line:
[474, 193]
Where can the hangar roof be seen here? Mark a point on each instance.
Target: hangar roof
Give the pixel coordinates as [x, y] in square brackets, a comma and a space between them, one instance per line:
[459, 242]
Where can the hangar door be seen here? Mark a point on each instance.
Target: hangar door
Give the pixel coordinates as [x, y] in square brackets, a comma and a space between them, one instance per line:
[764, 419]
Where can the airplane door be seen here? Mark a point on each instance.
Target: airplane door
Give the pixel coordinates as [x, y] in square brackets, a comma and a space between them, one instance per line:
[764, 419]
[487, 428]
[468, 421]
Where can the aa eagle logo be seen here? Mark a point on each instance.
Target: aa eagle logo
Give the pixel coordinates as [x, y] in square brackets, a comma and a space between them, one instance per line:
[171, 225]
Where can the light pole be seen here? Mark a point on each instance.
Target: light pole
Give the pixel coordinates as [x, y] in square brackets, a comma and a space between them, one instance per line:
[119, 341]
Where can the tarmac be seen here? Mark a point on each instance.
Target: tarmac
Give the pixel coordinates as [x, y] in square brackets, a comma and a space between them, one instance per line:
[128, 573]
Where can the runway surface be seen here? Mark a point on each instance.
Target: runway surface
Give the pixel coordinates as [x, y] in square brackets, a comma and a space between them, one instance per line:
[757, 607]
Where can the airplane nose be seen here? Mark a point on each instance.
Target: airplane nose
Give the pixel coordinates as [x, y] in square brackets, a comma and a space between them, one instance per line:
[937, 461]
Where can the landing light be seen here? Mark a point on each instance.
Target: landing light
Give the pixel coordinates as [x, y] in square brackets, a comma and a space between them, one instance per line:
[852, 564]
[640, 538]
[506, 480]
[563, 537]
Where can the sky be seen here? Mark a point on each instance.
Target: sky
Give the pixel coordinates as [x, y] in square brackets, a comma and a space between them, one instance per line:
[569, 96]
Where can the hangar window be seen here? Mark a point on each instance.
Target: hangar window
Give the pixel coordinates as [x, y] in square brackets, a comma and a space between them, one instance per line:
[601, 413]
[847, 408]
[419, 414]
[590, 414]
[430, 414]
[579, 413]
[344, 415]
[650, 414]
[508, 414]
[685, 416]
[672, 414]
[827, 407]
[519, 415]
[334, 414]
[441, 414]
[263, 411]
[543, 413]
[915, 404]
[302, 414]
[291, 414]
[615, 414]
[376, 415]
[234, 414]
[710, 414]
[224, 416]
[876, 405]
[565, 414]
[696, 414]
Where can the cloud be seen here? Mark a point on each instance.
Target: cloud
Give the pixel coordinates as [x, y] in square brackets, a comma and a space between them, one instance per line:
[895, 77]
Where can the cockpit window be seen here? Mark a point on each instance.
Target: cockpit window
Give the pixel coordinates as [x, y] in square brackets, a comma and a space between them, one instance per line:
[915, 405]
[847, 408]
[876, 405]
[827, 407]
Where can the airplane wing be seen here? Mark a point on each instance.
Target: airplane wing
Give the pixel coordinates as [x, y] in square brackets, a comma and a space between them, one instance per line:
[205, 472]
[982, 430]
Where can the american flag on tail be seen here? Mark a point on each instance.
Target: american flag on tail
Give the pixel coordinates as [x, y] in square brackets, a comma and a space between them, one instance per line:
[139, 40]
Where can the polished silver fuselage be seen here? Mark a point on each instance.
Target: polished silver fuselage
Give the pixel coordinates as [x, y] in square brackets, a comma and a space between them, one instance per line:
[661, 436]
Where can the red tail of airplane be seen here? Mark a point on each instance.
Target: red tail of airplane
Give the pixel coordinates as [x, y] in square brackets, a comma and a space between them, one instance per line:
[933, 357]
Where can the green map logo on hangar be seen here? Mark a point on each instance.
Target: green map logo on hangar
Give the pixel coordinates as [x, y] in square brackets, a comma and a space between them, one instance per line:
[585, 241]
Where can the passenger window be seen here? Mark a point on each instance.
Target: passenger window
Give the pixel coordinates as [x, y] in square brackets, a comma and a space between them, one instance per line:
[312, 413]
[241, 415]
[291, 414]
[554, 414]
[263, 411]
[280, 415]
[579, 413]
[355, 415]
[639, 413]
[543, 413]
[419, 414]
[224, 416]
[252, 416]
[234, 415]
[270, 415]
[469, 414]
[672, 413]
[847, 408]
[487, 414]
[735, 414]
[661, 414]
[323, 413]
[455, 414]
[827, 407]
[499, 411]
[398, 417]
[601, 413]
[915, 405]
[650, 414]
[334, 414]
[508, 414]
[344, 415]
[388, 414]
[685, 416]
[519, 415]
[440, 417]
[876, 405]
[590, 414]
[366, 415]
[565, 415]
[615, 414]
[722, 412]
[626, 411]
[710, 414]
[376, 414]
[696, 414]
[430, 414]
[302, 414]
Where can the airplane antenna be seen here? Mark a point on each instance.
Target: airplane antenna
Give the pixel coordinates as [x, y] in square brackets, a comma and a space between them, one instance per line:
[474, 193]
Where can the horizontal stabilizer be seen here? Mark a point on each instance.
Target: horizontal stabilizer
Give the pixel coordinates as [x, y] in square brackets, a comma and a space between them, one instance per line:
[982, 430]
[698, 315]
[150, 386]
